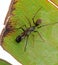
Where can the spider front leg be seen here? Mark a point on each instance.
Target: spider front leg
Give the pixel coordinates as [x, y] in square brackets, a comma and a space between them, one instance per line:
[36, 14]
[39, 35]
[33, 20]
[21, 28]
[28, 21]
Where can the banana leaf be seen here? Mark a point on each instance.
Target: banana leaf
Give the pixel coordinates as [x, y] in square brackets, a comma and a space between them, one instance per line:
[38, 52]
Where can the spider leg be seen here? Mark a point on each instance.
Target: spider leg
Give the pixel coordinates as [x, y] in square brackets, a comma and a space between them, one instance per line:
[47, 25]
[26, 43]
[39, 35]
[21, 28]
[36, 14]
[33, 20]
[28, 21]
[33, 39]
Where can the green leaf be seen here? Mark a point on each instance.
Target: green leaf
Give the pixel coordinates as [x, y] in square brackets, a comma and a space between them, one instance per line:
[38, 52]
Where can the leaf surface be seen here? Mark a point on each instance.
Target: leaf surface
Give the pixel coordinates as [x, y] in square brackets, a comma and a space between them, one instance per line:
[37, 52]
